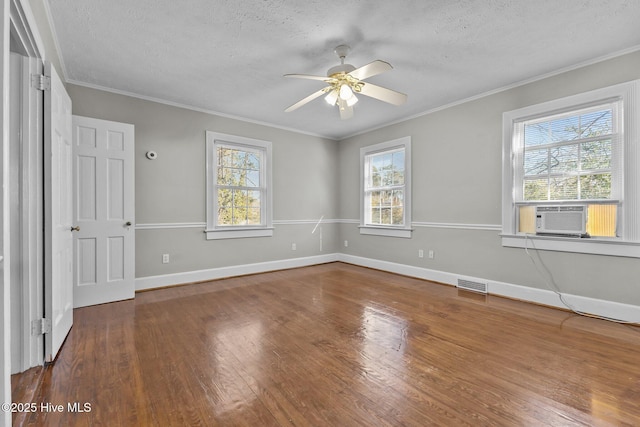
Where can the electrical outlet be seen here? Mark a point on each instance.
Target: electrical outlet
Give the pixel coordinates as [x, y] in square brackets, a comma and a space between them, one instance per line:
[165, 258]
[346, 243]
[293, 247]
[420, 253]
[431, 254]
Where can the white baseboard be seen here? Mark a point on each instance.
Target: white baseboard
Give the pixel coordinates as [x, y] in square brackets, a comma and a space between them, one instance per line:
[609, 309]
[151, 282]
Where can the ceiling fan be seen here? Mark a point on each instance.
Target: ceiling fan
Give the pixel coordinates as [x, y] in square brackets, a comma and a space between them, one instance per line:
[345, 80]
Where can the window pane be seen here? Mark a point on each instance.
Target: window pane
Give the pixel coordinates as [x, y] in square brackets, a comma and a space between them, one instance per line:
[387, 173]
[253, 161]
[381, 169]
[563, 159]
[376, 180]
[564, 188]
[596, 123]
[536, 162]
[596, 155]
[596, 186]
[225, 216]
[241, 176]
[387, 178]
[387, 160]
[238, 158]
[221, 176]
[375, 216]
[253, 199]
[398, 197]
[385, 216]
[253, 178]
[397, 215]
[253, 216]
[565, 129]
[239, 216]
[375, 198]
[386, 169]
[238, 168]
[385, 198]
[224, 157]
[239, 198]
[536, 134]
[398, 168]
[225, 197]
[536, 189]
[387, 207]
[376, 161]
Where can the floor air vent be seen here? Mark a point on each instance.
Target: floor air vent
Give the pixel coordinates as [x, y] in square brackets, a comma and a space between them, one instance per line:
[469, 285]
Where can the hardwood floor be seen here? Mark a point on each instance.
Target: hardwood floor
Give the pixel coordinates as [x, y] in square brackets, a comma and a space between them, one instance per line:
[338, 345]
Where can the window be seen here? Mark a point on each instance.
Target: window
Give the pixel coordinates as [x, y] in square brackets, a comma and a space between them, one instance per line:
[238, 187]
[579, 150]
[571, 157]
[386, 188]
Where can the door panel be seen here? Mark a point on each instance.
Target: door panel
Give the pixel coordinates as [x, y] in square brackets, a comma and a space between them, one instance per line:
[58, 214]
[103, 206]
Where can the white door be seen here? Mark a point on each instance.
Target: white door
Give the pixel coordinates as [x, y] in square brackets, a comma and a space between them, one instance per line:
[104, 249]
[58, 214]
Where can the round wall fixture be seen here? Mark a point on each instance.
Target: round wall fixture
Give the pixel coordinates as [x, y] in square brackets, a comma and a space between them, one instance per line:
[152, 155]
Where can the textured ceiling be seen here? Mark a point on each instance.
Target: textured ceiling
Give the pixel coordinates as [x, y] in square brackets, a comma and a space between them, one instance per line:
[229, 56]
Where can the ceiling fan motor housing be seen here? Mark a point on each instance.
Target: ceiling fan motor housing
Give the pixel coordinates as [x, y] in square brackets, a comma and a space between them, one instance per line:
[342, 68]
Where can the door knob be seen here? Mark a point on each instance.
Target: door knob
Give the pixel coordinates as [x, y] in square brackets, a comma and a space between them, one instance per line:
[76, 228]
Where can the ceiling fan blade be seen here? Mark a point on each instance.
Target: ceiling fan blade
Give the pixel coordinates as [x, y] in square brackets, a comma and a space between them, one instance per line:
[309, 98]
[346, 111]
[383, 94]
[310, 77]
[371, 69]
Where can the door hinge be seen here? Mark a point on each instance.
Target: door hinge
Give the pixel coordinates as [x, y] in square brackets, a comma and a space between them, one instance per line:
[40, 82]
[40, 327]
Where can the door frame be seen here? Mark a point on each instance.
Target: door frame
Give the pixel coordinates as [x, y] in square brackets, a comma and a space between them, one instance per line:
[18, 24]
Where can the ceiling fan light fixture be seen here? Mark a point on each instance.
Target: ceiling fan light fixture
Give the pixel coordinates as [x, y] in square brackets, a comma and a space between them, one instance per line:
[332, 97]
[345, 92]
[351, 101]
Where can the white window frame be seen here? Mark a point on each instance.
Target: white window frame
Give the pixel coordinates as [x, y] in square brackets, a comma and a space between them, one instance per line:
[215, 231]
[628, 241]
[404, 230]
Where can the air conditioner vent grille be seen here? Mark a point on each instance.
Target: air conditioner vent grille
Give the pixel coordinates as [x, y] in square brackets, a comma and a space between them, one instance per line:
[470, 285]
[562, 220]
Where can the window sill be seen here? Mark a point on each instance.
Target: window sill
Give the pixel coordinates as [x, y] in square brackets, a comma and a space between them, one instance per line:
[404, 233]
[593, 246]
[238, 233]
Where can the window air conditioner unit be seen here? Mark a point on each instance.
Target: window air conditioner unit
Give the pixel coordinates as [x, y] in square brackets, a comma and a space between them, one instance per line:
[561, 220]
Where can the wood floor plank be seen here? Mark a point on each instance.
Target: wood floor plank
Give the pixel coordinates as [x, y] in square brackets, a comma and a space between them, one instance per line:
[339, 345]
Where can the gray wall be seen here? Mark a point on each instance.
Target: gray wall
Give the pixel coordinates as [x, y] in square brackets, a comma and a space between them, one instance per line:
[171, 189]
[457, 178]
